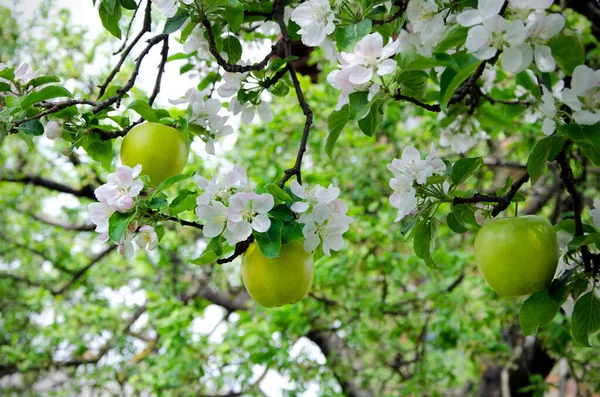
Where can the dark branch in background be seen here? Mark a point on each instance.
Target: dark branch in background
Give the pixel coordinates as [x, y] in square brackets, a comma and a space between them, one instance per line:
[164, 52]
[402, 4]
[566, 175]
[502, 201]
[128, 29]
[63, 225]
[232, 68]
[53, 108]
[77, 275]
[86, 191]
[145, 28]
[279, 9]
[504, 102]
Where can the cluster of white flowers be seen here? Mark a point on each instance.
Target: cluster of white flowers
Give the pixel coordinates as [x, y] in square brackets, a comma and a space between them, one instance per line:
[229, 206]
[204, 113]
[427, 25]
[324, 217]
[462, 134]
[370, 59]
[169, 7]
[520, 43]
[411, 169]
[117, 194]
[232, 83]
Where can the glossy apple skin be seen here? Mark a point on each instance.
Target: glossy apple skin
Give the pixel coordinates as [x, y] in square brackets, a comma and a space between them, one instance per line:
[517, 256]
[160, 149]
[274, 282]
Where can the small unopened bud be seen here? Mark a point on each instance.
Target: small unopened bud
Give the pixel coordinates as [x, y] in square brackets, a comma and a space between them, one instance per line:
[53, 130]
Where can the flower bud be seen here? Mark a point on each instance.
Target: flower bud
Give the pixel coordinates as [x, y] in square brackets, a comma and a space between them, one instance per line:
[53, 130]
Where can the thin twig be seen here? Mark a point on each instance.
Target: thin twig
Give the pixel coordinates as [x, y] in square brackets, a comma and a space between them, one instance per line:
[164, 52]
[128, 29]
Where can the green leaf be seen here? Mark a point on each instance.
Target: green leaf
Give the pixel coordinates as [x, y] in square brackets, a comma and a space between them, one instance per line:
[110, 20]
[38, 81]
[424, 240]
[578, 241]
[586, 137]
[143, 109]
[347, 36]
[455, 225]
[279, 62]
[233, 49]
[336, 122]
[568, 225]
[32, 127]
[282, 212]
[359, 105]
[568, 52]
[536, 163]
[465, 214]
[8, 74]
[291, 231]
[451, 79]
[585, 320]
[109, 5]
[172, 180]
[277, 192]
[99, 150]
[464, 168]
[158, 202]
[4, 87]
[52, 91]
[412, 60]
[129, 4]
[540, 309]
[117, 225]
[270, 241]
[234, 16]
[175, 22]
[210, 78]
[185, 201]
[413, 82]
[209, 255]
[371, 122]
[455, 37]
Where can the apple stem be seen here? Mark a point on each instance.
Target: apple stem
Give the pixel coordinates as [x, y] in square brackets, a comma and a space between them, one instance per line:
[516, 209]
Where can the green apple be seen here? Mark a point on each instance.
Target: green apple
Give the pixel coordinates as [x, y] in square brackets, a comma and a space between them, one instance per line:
[160, 149]
[517, 256]
[274, 282]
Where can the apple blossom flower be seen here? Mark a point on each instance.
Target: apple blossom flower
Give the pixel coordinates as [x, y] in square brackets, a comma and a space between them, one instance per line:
[169, 7]
[125, 246]
[548, 109]
[495, 34]
[197, 42]
[404, 196]
[24, 73]
[315, 19]
[222, 189]
[325, 226]
[214, 216]
[595, 213]
[53, 130]
[317, 195]
[147, 238]
[248, 110]
[426, 19]
[248, 211]
[584, 95]
[99, 214]
[370, 58]
[232, 82]
[530, 4]
[417, 169]
[486, 9]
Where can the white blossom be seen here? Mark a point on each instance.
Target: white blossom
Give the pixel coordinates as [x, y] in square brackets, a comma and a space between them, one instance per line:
[232, 82]
[549, 111]
[584, 95]
[147, 238]
[24, 74]
[99, 214]
[530, 4]
[496, 33]
[53, 130]
[315, 19]
[248, 211]
[427, 20]
[486, 9]
[411, 164]
[326, 226]
[214, 216]
[404, 196]
[317, 195]
[169, 7]
[249, 110]
[197, 42]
